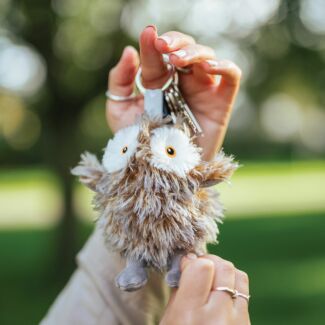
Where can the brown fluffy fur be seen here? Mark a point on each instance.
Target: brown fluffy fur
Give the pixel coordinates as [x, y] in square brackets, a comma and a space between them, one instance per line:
[149, 214]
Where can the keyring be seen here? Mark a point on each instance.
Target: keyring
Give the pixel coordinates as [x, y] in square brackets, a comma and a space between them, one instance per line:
[172, 78]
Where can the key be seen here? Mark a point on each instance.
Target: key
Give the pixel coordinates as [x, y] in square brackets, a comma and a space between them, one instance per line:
[178, 106]
[159, 103]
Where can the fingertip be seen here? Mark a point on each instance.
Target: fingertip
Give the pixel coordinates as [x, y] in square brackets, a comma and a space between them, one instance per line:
[130, 54]
[161, 45]
[123, 73]
[186, 260]
[174, 59]
[148, 34]
[129, 49]
[177, 60]
[151, 27]
[154, 71]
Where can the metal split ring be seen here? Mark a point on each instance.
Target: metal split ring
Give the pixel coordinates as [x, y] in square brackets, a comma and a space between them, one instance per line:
[140, 89]
[233, 293]
[172, 78]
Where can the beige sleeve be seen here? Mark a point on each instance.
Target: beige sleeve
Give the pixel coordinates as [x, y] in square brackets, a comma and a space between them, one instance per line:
[91, 297]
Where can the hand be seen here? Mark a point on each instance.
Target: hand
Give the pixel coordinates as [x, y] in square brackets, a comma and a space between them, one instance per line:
[210, 102]
[196, 303]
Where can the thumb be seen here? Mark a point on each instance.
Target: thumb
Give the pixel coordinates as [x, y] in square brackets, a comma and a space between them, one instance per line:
[154, 71]
[121, 77]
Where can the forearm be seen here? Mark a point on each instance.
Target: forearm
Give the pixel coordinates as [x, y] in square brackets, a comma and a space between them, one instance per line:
[91, 296]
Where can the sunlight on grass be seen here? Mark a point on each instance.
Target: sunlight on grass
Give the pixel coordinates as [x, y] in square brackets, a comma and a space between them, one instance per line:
[31, 198]
[273, 189]
[258, 189]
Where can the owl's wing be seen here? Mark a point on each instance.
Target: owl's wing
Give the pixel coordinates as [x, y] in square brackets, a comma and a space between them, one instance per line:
[218, 170]
[89, 170]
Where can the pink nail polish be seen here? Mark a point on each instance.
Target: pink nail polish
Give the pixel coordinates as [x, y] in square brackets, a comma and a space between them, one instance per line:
[151, 26]
[180, 53]
[165, 39]
[220, 64]
[213, 63]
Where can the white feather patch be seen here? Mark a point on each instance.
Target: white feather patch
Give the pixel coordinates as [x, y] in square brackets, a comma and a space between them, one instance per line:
[114, 159]
[186, 157]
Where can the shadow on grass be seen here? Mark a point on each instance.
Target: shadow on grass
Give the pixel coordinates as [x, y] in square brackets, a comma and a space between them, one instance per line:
[284, 257]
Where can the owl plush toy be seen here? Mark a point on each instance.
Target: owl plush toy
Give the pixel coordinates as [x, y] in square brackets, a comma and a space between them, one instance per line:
[153, 197]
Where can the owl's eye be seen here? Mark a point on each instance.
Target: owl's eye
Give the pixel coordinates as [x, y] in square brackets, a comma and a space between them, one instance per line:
[171, 152]
[121, 148]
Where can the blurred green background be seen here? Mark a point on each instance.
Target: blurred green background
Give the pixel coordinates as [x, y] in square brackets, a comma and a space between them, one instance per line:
[54, 60]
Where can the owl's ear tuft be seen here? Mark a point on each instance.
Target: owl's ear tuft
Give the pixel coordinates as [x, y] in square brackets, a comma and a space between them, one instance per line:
[218, 170]
[89, 170]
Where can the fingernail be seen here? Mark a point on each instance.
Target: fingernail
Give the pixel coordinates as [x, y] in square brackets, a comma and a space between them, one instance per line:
[165, 39]
[213, 64]
[191, 256]
[127, 48]
[219, 64]
[151, 26]
[180, 53]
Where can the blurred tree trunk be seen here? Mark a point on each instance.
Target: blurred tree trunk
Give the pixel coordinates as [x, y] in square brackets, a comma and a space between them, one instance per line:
[58, 120]
[60, 108]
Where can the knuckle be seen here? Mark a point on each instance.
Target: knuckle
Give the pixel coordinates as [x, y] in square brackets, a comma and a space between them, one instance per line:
[190, 39]
[214, 258]
[172, 34]
[209, 50]
[227, 267]
[243, 276]
[204, 265]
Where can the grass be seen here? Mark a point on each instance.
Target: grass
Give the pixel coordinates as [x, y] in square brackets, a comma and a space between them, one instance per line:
[283, 253]
[284, 257]
[258, 189]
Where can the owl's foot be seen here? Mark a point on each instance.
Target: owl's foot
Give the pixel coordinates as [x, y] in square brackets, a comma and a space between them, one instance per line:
[172, 278]
[132, 277]
[174, 273]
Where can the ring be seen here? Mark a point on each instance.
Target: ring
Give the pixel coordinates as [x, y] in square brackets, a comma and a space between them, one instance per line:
[233, 293]
[117, 98]
[172, 78]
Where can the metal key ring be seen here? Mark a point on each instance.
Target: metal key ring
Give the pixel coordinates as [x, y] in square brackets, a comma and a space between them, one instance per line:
[172, 78]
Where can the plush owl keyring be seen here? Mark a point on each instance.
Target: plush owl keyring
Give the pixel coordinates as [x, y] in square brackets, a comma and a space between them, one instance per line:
[153, 190]
[154, 197]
